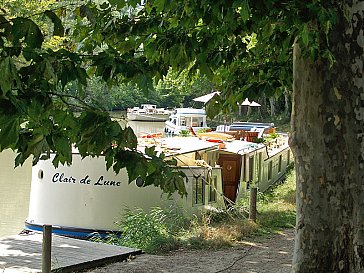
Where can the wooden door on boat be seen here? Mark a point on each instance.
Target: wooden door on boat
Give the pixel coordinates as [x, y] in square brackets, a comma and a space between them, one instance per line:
[231, 169]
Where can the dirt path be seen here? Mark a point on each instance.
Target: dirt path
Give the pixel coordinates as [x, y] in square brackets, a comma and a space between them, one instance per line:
[271, 254]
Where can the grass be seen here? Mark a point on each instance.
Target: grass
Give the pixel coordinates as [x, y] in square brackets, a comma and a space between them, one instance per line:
[277, 208]
[161, 230]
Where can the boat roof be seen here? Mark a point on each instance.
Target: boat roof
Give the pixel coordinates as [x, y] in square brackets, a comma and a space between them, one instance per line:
[172, 146]
[148, 105]
[189, 111]
[183, 145]
[242, 147]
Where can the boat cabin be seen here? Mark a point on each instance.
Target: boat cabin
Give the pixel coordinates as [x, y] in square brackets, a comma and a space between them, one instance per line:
[185, 118]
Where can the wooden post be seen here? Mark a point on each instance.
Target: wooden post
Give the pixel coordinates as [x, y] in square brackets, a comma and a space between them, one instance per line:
[253, 204]
[46, 249]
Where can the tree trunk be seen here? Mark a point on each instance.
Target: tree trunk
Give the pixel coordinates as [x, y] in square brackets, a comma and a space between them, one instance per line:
[287, 102]
[328, 144]
[272, 103]
[264, 107]
[249, 111]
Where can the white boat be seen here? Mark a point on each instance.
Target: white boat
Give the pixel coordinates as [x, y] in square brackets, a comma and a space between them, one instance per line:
[148, 112]
[84, 198]
[247, 130]
[247, 126]
[183, 119]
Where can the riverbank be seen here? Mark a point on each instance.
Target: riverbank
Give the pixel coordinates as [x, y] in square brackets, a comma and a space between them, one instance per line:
[228, 245]
[265, 254]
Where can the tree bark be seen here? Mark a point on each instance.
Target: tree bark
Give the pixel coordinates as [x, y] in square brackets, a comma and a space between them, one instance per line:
[272, 103]
[264, 107]
[287, 102]
[328, 143]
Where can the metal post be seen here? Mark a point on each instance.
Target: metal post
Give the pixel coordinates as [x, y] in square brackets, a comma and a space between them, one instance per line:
[253, 204]
[46, 249]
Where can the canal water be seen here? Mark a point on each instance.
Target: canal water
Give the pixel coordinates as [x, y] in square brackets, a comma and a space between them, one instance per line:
[15, 184]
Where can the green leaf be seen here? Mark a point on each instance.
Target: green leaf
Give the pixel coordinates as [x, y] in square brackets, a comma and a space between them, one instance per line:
[151, 167]
[117, 3]
[27, 29]
[49, 72]
[58, 28]
[130, 138]
[179, 183]
[150, 151]
[159, 5]
[63, 147]
[304, 35]
[144, 82]
[30, 54]
[37, 147]
[68, 73]
[244, 11]
[5, 24]
[8, 76]
[82, 75]
[136, 167]
[329, 56]
[9, 131]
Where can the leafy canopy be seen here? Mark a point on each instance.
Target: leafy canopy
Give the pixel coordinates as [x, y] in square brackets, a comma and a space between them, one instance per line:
[243, 47]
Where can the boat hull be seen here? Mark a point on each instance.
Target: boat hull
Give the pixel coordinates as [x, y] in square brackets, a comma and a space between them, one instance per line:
[85, 198]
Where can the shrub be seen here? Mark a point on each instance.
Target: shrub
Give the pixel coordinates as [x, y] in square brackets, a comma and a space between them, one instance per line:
[153, 231]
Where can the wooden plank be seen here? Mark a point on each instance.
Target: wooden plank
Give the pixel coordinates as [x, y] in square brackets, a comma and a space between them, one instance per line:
[23, 253]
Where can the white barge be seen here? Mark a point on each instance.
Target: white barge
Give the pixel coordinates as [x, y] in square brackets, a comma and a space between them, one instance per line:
[147, 112]
[84, 198]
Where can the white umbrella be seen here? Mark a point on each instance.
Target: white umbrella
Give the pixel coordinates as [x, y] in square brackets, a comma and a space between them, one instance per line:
[207, 97]
[246, 102]
[254, 104]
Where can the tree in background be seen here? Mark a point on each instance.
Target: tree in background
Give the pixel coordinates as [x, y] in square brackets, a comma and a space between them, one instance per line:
[178, 89]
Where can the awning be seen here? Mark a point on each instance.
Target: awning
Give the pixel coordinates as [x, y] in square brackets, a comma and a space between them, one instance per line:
[207, 97]
[254, 104]
[246, 102]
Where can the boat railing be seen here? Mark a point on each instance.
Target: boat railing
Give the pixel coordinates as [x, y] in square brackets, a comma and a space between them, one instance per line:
[277, 143]
[223, 128]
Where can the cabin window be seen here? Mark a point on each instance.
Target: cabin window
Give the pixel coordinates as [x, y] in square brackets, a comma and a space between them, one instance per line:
[280, 164]
[195, 122]
[198, 190]
[212, 190]
[270, 169]
[183, 121]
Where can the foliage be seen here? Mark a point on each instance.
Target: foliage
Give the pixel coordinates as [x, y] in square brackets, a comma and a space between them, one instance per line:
[270, 137]
[43, 84]
[277, 207]
[174, 90]
[178, 89]
[184, 133]
[153, 231]
[43, 98]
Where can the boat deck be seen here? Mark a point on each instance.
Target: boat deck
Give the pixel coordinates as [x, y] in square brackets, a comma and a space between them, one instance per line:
[23, 253]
